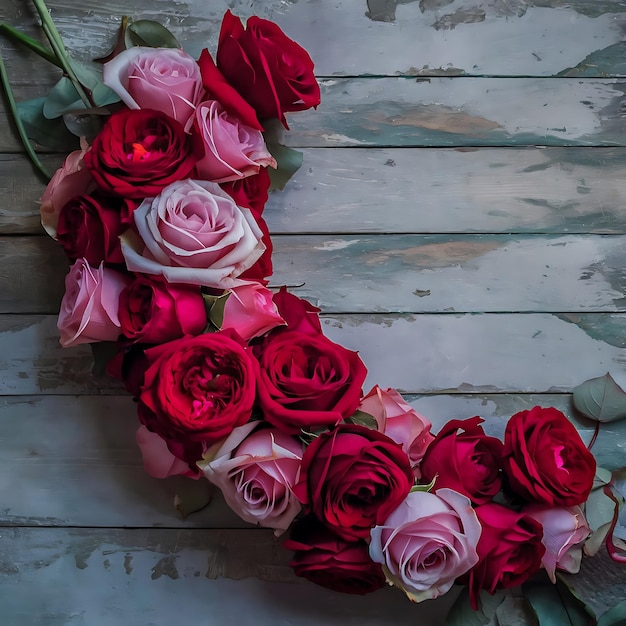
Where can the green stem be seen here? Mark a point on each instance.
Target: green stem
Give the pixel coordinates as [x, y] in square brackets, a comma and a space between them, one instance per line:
[15, 35]
[56, 42]
[4, 79]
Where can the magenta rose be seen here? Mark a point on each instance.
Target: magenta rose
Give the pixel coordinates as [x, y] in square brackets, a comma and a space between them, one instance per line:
[427, 543]
[256, 469]
[155, 311]
[89, 308]
[545, 459]
[352, 478]
[197, 389]
[299, 314]
[163, 79]
[327, 560]
[463, 458]
[307, 381]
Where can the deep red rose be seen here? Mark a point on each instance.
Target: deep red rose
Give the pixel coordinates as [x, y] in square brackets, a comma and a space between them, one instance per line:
[129, 365]
[329, 561]
[250, 192]
[545, 459]
[299, 314]
[307, 381]
[272, 72]
[509, 550]
[352, 478]
[139, 152]
[467, 461]
[263, 268]
[89, 227]
[197, 389]
[155, 311]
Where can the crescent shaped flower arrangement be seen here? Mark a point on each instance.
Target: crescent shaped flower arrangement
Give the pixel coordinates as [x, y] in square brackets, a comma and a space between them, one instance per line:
[160, 213]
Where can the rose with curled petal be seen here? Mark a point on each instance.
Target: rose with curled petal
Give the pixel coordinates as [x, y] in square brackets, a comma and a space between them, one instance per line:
[232, 150]
[89, 308]
[427, 543]
[256, 469]
[197, 389]
[299, 314]
[545, 459]
[193, 232]
[509, 551]
[327, 560]
[400, 421]
[564, 531]
[352, 478]
[155, 311]
[462, 457]
[307, 381]
[163, 79]
[272, 72]
[139, 152]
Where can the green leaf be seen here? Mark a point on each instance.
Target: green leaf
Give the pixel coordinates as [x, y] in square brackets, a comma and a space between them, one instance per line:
[103, 352]
[50, 133]
[462, 614]
[599, 511]
[151, 34]
[600, 399]
[555, 605]
[361, 418]
[615, 616]
[191, 495]
[427, 487]
[214, 306]
[85, 123]
[288, 163]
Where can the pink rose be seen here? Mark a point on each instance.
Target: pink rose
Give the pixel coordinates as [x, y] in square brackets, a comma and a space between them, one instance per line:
[163, 79]
[71, 179]
[250, 311]
[256, 469]
[193, 233]
[427, 542]
[89, 309]
[232, 150]
[399, 421]
[564, 531]
[158, 461]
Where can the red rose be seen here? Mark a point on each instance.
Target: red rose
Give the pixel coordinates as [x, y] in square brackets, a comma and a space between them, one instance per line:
[329, 561]
[299, 314]
[155, 311]
[352, 478]
[263, 268]
[509, 550]
[272, 72]
[197, 389]
[139, 152]
[89, 227]
[545, 459]
[307, 381]
[250, 192]
[468, 461]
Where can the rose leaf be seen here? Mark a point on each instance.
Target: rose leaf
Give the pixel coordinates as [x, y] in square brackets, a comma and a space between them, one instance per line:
[288, 162]
[615, 616]
[50, 133]
[361, 418]
[191, 495]
[151, 34]
[600, 399]
[555, 605]
[462, 614]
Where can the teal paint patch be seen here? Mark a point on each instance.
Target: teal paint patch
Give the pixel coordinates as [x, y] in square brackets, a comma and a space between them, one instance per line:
[590, 8]
[610, 61]
[610, 328]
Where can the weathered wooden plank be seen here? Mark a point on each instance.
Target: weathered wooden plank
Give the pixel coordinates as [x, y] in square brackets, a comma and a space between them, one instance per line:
[389, 273]
[419, 191]
[532, 37]
[73, 461]
[80, 577]
[455, 353]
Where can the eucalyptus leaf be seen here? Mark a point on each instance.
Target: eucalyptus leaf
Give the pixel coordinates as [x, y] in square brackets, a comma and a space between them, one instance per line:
[599, 511]
[192, 495]
[288, 163]
[50, 133]
[462, 614]
[151, 34]
[516, 612]
[62, 98]
[361, 418]
[555, 605]
[600, 399]
[86, 125]
[615, 616]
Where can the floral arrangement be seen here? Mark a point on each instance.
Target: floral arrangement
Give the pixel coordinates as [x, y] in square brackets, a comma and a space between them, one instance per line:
[160, 213]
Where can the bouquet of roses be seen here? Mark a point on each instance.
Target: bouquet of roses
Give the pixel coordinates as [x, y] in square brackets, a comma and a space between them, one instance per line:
[160, 215]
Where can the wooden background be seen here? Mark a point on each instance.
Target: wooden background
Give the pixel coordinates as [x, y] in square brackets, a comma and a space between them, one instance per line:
[460, 217]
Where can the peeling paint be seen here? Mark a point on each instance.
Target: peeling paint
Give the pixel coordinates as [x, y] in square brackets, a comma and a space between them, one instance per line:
[460, 16]
[165, 567]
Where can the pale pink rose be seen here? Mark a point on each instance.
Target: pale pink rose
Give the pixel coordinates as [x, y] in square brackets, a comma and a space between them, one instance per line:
[158, 461]
[427, 542]
[399, 421]
[194, 233]
[89, 309]
[164, 79]
[256, 469]
[232, 150]
[71, 179]
[250, 310]
[564, 532]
